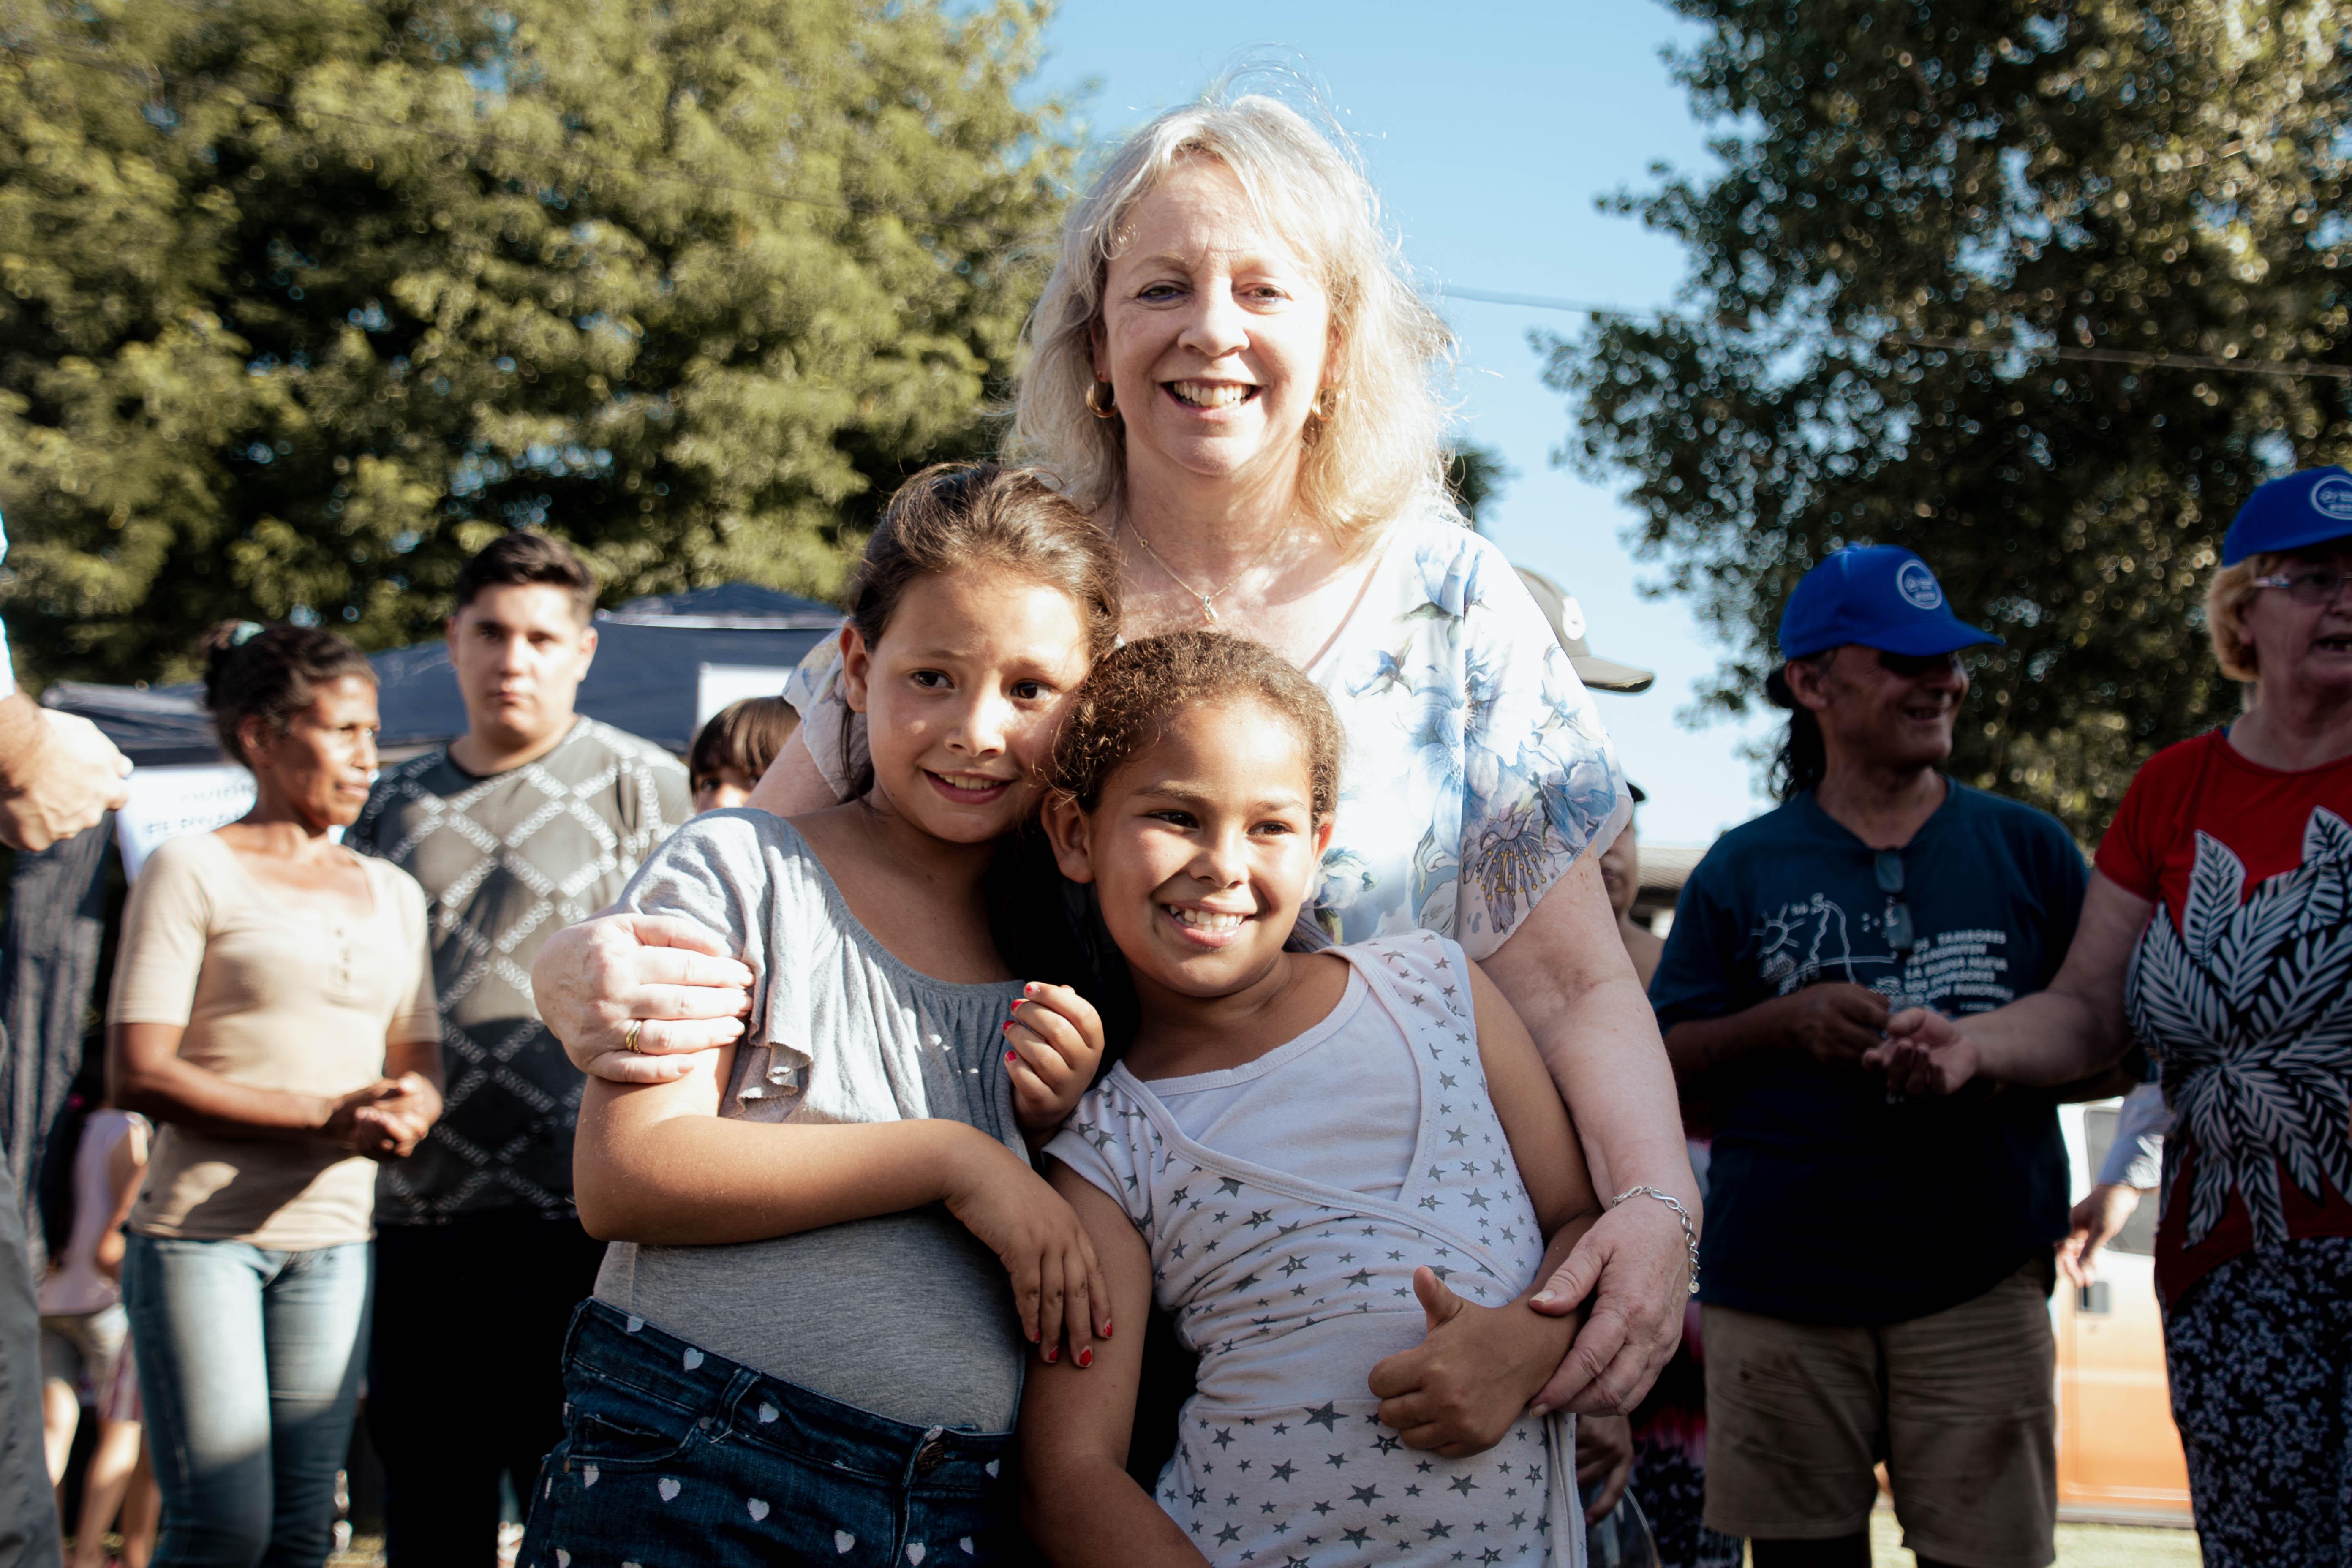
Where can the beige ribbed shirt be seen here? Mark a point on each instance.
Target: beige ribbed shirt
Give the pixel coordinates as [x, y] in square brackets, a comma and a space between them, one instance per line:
[281, 999]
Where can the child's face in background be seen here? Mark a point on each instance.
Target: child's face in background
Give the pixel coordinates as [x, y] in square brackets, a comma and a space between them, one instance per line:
[1202, 849]
[722, 787]
[961, 696]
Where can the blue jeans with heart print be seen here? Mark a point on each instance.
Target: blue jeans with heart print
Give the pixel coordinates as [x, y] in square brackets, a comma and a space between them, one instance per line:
[673, 1455]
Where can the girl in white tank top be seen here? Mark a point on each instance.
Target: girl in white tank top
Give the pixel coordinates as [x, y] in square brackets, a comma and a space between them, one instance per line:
[1344, 1172]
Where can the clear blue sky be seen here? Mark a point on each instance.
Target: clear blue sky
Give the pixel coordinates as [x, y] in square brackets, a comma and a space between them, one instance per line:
[1489, 129]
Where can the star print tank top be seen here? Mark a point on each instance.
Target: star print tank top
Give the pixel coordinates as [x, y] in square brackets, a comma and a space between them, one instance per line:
[1284, 1238]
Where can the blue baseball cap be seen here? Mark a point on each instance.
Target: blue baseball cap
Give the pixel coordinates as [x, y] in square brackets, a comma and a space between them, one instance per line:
[2308, 508]
[1880, 596]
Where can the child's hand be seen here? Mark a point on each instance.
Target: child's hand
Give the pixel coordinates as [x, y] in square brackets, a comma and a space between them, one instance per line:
[1036, 1234]
[1054, 1042]
[1463, 1387]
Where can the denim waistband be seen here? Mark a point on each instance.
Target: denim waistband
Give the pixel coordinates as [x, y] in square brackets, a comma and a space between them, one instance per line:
[608, 1344]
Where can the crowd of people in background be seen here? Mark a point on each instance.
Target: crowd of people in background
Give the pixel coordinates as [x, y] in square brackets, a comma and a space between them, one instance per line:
[1141, 1053]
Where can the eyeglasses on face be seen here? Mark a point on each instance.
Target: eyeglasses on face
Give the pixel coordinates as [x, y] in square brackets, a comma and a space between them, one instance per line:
[2309, 585]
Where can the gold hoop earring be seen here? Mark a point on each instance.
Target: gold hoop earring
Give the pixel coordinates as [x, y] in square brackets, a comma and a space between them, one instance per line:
[1326, 403]
[1101, 401]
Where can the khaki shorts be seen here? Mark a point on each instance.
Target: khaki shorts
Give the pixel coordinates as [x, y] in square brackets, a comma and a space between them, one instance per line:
[1960, 1405]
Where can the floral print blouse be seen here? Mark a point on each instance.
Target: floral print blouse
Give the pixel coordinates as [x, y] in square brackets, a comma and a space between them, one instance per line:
[1476, 770]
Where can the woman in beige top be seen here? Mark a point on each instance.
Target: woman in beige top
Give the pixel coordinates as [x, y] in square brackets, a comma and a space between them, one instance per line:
[273, 1014]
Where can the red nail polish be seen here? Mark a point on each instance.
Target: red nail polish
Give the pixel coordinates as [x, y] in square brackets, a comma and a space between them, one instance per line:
[1053, 1352]
[1011, 1056]
[1086, 1358]
[1106, 1329]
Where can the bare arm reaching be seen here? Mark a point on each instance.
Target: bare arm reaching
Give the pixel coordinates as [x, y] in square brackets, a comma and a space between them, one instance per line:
[2056, 1037]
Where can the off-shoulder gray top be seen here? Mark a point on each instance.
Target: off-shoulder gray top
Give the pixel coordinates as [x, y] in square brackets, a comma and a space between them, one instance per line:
[906, 1315]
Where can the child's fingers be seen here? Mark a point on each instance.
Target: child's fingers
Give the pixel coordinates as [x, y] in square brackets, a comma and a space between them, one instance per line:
[1049, 1303]
[1031, 1096]
[1407, 1411]
[1026, 1289]
[1078, 1306]
[1065, 1003]
[1039, 1055]
[1097, 1289]
[1076, 1038]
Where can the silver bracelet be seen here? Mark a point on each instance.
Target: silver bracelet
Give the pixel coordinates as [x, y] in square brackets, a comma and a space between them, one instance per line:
[1690, 1231]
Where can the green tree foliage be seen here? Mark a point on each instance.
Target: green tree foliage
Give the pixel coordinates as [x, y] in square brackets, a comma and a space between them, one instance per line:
[2046, 184]
[302, 301]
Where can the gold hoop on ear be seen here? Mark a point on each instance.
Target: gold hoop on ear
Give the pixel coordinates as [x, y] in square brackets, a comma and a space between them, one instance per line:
[1326, 403]
[1101, 401]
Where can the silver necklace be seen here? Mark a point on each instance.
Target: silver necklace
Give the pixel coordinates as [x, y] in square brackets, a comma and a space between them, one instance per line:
[1208, 600]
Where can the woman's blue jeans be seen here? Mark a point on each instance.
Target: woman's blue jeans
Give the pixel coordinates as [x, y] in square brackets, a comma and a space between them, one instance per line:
[249, 1365]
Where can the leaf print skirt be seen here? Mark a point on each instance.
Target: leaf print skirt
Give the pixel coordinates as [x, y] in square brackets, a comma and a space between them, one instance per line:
[671, 1455]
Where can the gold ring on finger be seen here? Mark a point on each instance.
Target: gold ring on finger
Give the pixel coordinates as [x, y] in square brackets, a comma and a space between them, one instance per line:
[629, 1035]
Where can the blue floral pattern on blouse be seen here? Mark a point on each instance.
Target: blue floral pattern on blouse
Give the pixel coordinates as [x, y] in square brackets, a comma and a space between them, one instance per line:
[1478, 769]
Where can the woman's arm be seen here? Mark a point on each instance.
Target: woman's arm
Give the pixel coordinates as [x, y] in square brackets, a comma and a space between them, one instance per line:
[2056, 1037]
[794, 784]
[1567, 975]
[656, 1162]
[1077, 1501]
[144, 1073]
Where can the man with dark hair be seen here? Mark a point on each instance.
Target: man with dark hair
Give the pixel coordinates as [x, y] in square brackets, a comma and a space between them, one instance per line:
[1876, 1272]
[533, 819]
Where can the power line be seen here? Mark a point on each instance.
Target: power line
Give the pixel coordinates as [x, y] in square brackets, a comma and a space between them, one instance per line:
[2160, 359]
[205, 86]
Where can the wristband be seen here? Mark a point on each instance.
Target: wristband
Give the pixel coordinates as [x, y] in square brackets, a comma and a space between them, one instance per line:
[1690, 1231]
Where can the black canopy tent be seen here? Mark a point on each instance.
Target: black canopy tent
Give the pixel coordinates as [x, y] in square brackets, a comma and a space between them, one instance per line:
[651, 655]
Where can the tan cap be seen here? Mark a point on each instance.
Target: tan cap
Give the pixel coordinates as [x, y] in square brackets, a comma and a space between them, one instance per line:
[1567, 619]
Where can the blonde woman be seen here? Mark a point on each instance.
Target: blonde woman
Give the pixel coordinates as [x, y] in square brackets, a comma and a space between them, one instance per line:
[2218, 930]
[1230, 370]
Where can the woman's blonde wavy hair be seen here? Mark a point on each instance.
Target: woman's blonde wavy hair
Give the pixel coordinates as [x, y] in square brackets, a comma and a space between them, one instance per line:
[2227, 597]
[1379, 450]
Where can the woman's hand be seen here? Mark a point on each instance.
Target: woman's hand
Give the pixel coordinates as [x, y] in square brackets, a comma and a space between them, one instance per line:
[1924, 1053]
[390, 1128]
[1462, 1389]
[685, 990]
[2093, 1222]
[1056, 1283]
[1053, 1042]
[1640, 1261]
[1605, 1455]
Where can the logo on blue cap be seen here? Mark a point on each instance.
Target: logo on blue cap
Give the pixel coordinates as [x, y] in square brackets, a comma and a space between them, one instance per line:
[2332, 496]
[1918, 585]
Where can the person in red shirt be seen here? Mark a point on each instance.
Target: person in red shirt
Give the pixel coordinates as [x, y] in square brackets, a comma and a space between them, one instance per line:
[2218, 931]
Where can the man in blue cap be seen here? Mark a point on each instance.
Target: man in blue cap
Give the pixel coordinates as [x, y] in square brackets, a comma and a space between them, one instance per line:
[1876, 1271]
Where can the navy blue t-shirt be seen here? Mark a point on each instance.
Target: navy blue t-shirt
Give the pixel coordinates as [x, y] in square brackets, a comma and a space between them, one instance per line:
[1827, 1202]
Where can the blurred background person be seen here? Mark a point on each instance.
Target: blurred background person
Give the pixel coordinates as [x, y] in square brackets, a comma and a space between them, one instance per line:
[1621, 873]
[84, 1332]
[273, 1014]
[57, 776]
[1875, 1273]
[2217, 934]
[734, 749]
[533, 819]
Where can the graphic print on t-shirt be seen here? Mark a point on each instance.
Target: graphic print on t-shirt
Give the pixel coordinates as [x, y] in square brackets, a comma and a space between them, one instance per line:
[1805, 943]
[2245, 1000]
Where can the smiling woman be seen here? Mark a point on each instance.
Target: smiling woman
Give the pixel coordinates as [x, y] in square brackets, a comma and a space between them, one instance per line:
[1232, 375]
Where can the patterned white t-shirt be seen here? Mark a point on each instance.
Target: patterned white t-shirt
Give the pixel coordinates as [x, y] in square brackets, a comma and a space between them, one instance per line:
[1477, 771]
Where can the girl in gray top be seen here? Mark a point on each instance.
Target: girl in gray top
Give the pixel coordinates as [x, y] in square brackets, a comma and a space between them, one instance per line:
[801, 1345]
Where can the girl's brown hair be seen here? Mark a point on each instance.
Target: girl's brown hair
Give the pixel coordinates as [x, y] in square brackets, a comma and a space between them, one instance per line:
[952, 517]
[744, 735]
[270, 673]
[1133, 693]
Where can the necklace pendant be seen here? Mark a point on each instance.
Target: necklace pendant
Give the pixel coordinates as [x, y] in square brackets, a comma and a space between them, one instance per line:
[1208, 612]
